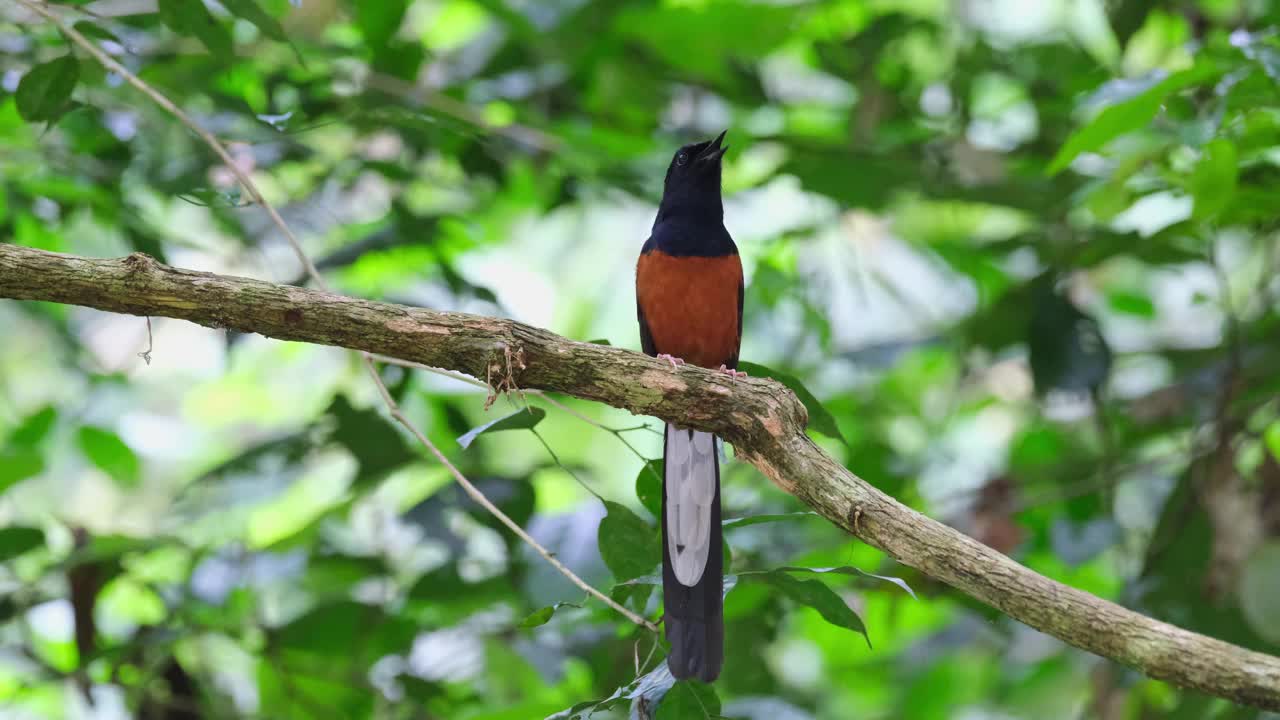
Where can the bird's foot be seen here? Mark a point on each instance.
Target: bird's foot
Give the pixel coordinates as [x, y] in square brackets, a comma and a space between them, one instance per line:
[733, 374]
[675, 361]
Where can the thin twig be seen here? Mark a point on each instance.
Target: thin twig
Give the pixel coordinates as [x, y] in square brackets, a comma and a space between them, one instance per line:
[556, 459]
[146, 354]
[214, 144]
[484, 502]
[437, 371]
[616, 432]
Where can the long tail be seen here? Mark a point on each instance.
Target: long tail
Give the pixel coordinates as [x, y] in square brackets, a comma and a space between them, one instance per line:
[692, 556]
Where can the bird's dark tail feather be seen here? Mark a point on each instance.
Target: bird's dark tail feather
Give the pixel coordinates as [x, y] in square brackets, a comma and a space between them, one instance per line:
[693, 615]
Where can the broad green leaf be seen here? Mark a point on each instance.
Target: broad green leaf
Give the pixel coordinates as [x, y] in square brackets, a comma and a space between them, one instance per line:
[538, 617]
[689, 700]
[419, 690]
[1260, 590]
[336, 574]
[192, 18]
[1036, 447]
[344, 627]
[630, 546]
[1128, 116]
[758, 519]
[649, 487]
[308, 687]
[44, 93]
[522, 419]
[600, 341]
[704, 40]
[18, 465]
[15, 541]
[34, 428]
[815, 595]
[1131, 303]
[370, 437]
[819, 418]
[1213, 182]
[379, 21]
[328, 628]
[1272, 439]
[105, 449]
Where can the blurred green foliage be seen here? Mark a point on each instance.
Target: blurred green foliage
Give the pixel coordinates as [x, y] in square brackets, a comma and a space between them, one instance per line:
[1018, 259]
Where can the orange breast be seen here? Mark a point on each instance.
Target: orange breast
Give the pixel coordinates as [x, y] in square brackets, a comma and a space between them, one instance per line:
[691, 305]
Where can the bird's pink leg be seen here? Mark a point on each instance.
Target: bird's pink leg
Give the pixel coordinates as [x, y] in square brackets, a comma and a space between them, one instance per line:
[734, 374]
[675, 361]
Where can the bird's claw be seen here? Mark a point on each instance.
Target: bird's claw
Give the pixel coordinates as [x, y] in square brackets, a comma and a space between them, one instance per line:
[733, 374]
[675, 361]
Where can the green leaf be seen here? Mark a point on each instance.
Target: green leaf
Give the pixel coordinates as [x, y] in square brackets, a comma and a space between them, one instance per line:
[848, 570]
[88, 29]
[767, 518]
[704, 39]
[44, 93]
[538, 617]
[819, 418]
[1260, 590]
[191, 18]
[346, 628]
[1213, 182]
[630, 546]
[15, 541]
[370, 437]
[688, 700]
[600, 341]
[451, 598]
[34, 428]
[522, 419]
[379, 21]
[18, 465]
[1272, 439]
[327, 629]
[649, 487]
[542, 616]
[1131, 303]
[1127, 116]
[106, 450]
[419, 690]
[249, 10]
[815, 595]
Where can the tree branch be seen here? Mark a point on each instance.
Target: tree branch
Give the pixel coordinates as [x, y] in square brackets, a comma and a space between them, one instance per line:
[763, 421]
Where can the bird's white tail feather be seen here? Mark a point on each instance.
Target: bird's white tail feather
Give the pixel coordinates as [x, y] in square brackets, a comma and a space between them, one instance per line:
[691, 488]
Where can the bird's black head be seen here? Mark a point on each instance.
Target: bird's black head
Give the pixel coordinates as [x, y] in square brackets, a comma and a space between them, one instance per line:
[693, 180]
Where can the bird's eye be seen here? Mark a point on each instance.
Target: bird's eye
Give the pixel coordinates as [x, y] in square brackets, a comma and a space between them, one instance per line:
[682, 158]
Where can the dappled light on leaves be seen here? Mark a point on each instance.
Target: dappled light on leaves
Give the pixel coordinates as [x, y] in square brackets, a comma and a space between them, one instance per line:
[1015, 261]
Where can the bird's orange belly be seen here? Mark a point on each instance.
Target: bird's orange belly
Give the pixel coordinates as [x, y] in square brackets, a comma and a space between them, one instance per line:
[691, 305]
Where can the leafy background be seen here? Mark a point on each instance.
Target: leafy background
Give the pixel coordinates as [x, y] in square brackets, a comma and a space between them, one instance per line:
[1022, 254]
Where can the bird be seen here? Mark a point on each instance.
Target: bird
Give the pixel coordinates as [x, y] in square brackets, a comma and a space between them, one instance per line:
[689, 305]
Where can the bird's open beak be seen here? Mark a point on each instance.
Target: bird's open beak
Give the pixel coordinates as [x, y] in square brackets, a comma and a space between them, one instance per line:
[714, 151]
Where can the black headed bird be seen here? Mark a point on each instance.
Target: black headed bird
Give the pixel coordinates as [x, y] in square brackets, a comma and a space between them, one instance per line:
[689, 303]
